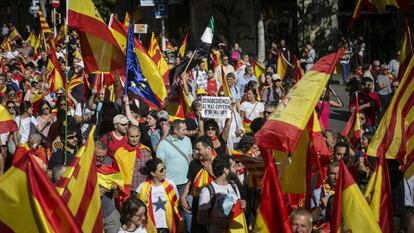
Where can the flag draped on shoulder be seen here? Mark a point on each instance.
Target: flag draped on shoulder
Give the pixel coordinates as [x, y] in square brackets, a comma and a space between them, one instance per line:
[181, 51]
[100, 51]
[351, 210]
[378, 195]
[292, 115]
[79, 189]
[7, 123]
[31, 203]
[155, 53]
[394, 135]
[149, 69]
[406, 50]
[135, 81]
[272, 215]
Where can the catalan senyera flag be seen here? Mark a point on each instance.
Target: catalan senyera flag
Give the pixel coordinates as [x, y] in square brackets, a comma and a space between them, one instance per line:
[282, 65]
[100, 52]
[44, 26]
[272, 215]
[348, 199]
[406, 50]
[56, 77]
[291, 117]
[7, 123]
[14, 35]
[149, 68]
[154, 52]
[378, 195]
[181, 51]
[79, 189]
[352, 128]
[5, 45]
[31, 203]
[394, 135]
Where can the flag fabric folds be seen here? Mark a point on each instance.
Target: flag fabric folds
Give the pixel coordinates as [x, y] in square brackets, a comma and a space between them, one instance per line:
[181, 51]
[204, 47]
[352, 128]
[394, 135]
[135, 81]
[30, 202]
[7, 123]
[44, 26]
[282, 65]
[272, 215]
[378, 195]
[406, 50]
[79, 188]
[149, 68]
[348, 199]
[292, 115]
[56, 77]
[100, 51]
[258, 68]
[155, 53]
[14, 35]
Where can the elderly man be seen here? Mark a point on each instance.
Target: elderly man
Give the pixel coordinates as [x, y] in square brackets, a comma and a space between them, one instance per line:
[301, 220]
[117, 137]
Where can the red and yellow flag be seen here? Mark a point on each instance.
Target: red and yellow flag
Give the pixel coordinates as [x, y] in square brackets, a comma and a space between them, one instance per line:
[291, 117]
[100, 51]
[272, 214]
[78, 188]
[61, 34]
[56, 77]
[149, 68]
[394, 135]
[44, 26]
[258, 68]
[348, 199]
[181, 51]
[7, 124]
[31, 203]
[298, 69]
[406, 50]
[154, 52]
[378, 195]
[352, 128]
[14, 35]
[282, 65]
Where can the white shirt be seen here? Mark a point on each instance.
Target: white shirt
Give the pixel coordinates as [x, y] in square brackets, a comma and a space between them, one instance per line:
[250, 111]
[140, 229]
[200, 77]
[24, 127]
[236, 123]
[158, 201]
[408, 191]
[83, 112]
[12, 55]
[394, 66]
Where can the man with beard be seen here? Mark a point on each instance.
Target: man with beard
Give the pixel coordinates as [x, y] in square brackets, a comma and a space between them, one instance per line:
[321, 195]
[220, 205]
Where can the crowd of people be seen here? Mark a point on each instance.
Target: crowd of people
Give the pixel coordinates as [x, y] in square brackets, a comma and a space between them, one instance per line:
[184, 174]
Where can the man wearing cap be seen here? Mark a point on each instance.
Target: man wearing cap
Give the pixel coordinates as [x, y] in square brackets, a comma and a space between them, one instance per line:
[201, 92]
[275, 92]
[117, 137]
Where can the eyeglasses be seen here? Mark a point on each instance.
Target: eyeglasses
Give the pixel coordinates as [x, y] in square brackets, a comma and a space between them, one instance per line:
[394, 86]
[126, 124]
[71, 137]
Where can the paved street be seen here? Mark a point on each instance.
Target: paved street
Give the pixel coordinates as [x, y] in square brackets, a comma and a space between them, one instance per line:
[339, 116]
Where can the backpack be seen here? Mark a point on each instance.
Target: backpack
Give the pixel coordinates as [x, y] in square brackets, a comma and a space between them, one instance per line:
[217, 202]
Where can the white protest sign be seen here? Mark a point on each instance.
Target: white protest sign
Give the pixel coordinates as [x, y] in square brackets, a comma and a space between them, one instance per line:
[215, 107]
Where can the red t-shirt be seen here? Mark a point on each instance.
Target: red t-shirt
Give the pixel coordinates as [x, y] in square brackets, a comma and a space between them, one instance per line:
[371, 111]
[112, 143]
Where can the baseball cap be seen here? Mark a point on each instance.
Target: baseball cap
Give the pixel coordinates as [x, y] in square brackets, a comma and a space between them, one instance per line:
[121, 119]
[201, 91]
[163, 115]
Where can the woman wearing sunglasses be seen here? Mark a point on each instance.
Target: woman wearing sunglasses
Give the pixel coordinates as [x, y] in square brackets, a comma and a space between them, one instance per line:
[45, 117]
[161, 198]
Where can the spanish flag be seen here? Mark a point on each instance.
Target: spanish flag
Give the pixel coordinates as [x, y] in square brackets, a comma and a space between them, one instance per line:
[149, 68]
[7, 123]
[100, 51]
[78, 188]
[351, 210]
[181, 52]
[394, 135]
[406, 50]
[62, 33]
[258, 68]
[298, 69]
[291, 117]
[352, 128]
[154, 52]
[30, 203]
[44, 26]
[56, 77]
[272, 214]
[378, 195]
[282, 65]
[226, 88]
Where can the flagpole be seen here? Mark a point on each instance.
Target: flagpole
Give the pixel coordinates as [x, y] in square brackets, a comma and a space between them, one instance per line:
[67, 41]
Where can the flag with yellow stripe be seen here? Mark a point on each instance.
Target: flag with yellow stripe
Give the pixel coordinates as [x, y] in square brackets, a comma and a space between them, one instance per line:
[100, 51]
[406, 50]
[351, 210]
[44, 26]
[394, 135]
[7, 123]
[181, 51]
[154, 52]
[29, 202]
[79, 188]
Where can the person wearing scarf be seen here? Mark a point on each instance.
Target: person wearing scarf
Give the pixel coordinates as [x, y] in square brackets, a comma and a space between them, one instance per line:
[160, 195]
[200, 174]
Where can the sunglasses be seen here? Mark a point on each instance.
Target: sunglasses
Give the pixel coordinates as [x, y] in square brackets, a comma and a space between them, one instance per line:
[394, 86]
[124, 124]
[211, 128]
[12, 94]
[71, 137]
[268, 112]
[10, 107]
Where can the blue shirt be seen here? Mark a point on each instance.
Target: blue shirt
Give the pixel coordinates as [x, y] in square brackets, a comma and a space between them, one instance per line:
[242, 82]
[175, 163]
